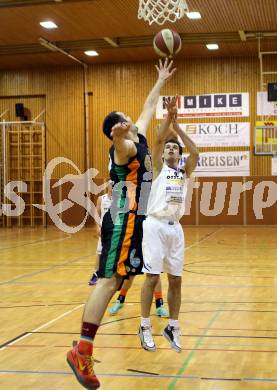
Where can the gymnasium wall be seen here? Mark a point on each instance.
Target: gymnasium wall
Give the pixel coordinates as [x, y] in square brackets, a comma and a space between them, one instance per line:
[63, 91]
[122, 87]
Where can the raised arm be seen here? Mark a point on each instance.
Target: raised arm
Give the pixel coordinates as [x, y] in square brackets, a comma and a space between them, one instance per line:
[124, 148]
[164, 132]
[192, 159]
[164, 73]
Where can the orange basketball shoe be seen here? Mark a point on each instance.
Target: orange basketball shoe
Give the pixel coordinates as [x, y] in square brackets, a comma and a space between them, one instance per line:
[82, 366]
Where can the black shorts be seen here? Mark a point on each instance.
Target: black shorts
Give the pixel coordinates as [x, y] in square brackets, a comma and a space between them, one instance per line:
[121, 245]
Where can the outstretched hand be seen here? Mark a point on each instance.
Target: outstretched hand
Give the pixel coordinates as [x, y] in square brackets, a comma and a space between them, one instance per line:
[171, 107]
[164, 70]
[120, 129]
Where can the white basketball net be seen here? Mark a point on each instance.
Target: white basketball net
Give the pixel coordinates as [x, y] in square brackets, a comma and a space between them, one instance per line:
[160, 11]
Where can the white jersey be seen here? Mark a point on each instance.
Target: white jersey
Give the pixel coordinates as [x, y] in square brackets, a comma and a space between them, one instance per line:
[167, 195]
[105, 205]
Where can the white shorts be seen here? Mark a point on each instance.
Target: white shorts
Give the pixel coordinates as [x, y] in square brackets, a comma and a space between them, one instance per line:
[163, 247]
[99, 246]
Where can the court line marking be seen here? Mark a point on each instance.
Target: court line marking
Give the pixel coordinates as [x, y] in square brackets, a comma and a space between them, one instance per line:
[11, 281]
[160, 349]
[143, 372]
[103, 375]
[206, 237]
[42, 326]
[37, 305]
[10, 341]
[239, 265]
[198, 342]
[196, 345]
[259, 379]
[140, 376]
[173, 383]
[222, 379]
[35, 242]
[233, 276]
[229, 286]
[64, 314]
[229, 310]
[63, 303]
[242, 329]
[140, 284]
[203, 335]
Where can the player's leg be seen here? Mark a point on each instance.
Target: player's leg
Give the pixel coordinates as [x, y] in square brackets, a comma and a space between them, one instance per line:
[174, 267]
[153, 265]
[147, 293]
[172, 330]
[119, 303]
[80, 357]
[94, 277]
[174, 296]
[160, 308]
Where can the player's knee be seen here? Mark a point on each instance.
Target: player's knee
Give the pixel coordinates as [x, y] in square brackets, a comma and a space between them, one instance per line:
[110, 285]
[152, 279]
[174, 281]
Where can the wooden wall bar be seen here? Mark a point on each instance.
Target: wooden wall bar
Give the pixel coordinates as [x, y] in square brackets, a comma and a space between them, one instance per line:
[64, 104]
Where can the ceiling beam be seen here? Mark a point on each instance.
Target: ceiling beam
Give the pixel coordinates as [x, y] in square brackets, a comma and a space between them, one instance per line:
[134, 41]
[261, 34]
[242, 35]
[111, 41]
[51, 46]
[26, 3]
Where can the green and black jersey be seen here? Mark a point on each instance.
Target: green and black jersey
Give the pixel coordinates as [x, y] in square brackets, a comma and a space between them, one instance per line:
[122, 232]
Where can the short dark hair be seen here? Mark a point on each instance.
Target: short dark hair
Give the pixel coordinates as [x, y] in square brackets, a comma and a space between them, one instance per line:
[175, 141]
[110, 120]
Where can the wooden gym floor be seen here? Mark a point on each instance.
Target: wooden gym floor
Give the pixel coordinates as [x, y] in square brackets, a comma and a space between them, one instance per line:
[228, 314]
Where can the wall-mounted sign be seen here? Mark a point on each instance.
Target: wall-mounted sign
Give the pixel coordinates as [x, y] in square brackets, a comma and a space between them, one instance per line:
[221, 164]
[264, 107]
[209, 105]
[218, 134]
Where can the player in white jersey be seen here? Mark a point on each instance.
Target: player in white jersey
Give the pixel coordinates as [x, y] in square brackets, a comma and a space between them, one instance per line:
[163, 237]
[102, 206]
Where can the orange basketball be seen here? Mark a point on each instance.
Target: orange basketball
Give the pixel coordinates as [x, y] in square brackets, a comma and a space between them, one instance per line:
[167, 43]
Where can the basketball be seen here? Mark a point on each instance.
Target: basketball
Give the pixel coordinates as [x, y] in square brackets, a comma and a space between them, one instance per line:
[167, 43]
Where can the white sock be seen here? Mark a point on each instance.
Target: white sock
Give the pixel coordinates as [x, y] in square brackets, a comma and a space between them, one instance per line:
[174, 323]
[145, 321]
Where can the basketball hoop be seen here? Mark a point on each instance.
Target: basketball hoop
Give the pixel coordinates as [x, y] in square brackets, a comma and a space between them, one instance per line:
[160, 11]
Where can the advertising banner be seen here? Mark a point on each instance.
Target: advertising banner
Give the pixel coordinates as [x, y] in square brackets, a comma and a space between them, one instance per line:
[221, 164]
[263, 106]
[209, 105]
[218, 134]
